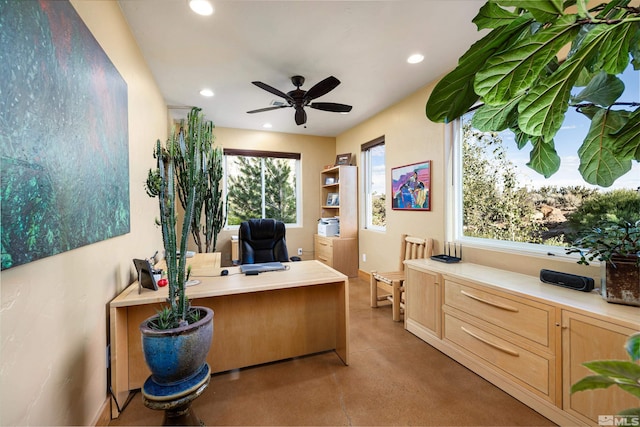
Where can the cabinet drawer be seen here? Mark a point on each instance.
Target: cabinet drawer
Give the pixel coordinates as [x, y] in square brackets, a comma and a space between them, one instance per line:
[507, 312]
[324, 250]
[532, 370]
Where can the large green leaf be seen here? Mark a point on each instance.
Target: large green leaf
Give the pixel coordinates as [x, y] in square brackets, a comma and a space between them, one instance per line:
[543, 157]
[592, 382]
[615, 46]
[542, 10]
[627, 140]
[542, 110]
[633, 346]
[604, 89]
[454, 95]
[494, 117]
[509, 73]
[493, 16]
[598, 163]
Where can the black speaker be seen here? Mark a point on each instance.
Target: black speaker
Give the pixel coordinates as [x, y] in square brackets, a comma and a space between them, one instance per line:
[571, 281]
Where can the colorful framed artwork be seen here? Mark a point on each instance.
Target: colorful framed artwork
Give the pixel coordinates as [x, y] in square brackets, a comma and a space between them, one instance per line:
[411, 187]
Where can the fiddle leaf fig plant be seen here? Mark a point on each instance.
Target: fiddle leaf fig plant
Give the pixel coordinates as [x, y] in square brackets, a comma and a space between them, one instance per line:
[622, 373]
[520, 75]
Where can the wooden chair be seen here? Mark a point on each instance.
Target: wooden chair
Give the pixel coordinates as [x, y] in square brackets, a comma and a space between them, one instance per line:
[393, 281]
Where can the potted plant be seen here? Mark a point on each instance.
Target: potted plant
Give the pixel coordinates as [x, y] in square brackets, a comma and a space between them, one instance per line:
[617, 246]
[176, 341]
[624, 374]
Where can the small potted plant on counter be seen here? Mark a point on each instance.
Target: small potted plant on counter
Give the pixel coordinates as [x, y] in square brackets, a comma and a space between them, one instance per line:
[617, 246]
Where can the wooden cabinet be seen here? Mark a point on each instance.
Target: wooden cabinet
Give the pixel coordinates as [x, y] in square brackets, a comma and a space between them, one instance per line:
[506, 332]
[585, 339]
[526, 337]
[339, 198]
[423, 303]
[340, 253]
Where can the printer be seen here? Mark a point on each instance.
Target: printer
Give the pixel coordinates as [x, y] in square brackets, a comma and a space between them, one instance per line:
[328, 227]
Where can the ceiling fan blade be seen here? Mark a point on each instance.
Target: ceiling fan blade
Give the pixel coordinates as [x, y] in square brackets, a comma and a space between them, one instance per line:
[322, 88]
[273, 90]
[301, 116]
[331, 106]
[260, 110]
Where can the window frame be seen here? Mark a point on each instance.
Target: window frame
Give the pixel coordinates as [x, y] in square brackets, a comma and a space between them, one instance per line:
[265, 154]
[367, 180]
[453, 225]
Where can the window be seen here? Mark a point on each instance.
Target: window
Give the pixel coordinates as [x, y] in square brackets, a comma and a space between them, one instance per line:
[262, 184]
[374, 184]
[500, 202]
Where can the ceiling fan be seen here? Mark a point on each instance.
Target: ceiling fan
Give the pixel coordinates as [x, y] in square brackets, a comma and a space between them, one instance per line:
[299, 98]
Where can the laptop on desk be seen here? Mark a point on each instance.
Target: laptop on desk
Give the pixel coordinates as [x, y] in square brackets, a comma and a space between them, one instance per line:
[262, 267]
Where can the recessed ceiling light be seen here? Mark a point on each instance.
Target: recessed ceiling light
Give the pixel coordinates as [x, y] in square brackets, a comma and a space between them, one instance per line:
[201, 7]
[415, 58]
[267, 125]
[206, 92]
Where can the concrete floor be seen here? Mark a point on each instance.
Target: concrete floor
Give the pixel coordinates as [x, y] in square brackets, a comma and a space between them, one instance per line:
[394, 379]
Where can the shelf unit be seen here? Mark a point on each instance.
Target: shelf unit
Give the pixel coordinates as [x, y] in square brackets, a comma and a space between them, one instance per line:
[339, 198]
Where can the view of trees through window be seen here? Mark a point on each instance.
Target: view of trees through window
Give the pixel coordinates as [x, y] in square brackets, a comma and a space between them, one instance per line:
[501, 201]
[375, 184]
[261, 187]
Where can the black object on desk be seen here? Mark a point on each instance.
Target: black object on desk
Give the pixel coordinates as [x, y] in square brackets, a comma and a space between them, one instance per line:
[448, 258]
[145, 275]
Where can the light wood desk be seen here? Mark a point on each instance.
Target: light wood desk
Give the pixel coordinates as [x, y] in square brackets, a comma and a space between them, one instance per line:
[257, 319]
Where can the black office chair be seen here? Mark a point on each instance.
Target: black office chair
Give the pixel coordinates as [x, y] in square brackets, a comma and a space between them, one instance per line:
[263, 240]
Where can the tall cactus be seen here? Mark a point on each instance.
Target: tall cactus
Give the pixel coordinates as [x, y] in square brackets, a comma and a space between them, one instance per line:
[198, 132]
[161, 183]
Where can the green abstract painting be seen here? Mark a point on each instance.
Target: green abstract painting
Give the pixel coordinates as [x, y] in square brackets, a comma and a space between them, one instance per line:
[64, 155]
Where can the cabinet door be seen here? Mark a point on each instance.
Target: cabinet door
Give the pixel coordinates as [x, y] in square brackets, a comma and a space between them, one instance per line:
[586, 339]
[423, 302]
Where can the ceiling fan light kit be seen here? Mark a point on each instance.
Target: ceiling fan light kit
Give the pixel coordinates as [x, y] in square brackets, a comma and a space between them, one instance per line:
[299, 99]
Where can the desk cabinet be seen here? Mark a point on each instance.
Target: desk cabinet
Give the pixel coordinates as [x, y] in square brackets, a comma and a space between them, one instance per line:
[423, 303]
[526, 337]
[506, 332]
[340, 253]
[585, 339]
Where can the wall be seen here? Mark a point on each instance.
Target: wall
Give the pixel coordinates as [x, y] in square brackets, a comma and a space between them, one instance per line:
[316, 152]
[410, 138]
[54, 312]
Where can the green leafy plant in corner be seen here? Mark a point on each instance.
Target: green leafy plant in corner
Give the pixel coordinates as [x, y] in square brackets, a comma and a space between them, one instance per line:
[161, 183]
[516, 72]
[608, 242]
[621, 373]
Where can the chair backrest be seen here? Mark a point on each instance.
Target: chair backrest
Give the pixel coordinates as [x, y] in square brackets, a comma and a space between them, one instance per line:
[262, 240]
[414, 248]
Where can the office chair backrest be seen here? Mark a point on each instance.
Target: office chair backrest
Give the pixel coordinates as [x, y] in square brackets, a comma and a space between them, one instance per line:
[262, 240]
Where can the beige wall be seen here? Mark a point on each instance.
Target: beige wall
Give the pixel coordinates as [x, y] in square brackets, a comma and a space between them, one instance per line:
[316, 152]
[410, 138]
[54, 311]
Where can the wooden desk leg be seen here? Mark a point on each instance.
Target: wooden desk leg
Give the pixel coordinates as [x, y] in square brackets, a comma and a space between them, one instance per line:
[342, 322]
[119, 363]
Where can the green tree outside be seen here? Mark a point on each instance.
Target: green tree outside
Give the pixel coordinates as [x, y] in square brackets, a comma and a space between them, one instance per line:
[246, 189]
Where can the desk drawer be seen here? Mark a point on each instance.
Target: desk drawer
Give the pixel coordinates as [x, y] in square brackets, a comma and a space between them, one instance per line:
[531, 370]
[524, 318]
[323, 248]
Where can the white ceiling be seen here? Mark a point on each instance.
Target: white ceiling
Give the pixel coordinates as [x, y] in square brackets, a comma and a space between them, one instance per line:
[363, 43]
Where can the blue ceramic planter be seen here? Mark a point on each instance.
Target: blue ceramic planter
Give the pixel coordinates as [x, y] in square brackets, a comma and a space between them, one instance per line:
[177, 355]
